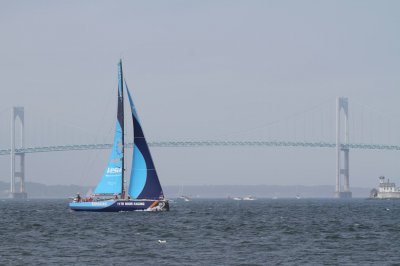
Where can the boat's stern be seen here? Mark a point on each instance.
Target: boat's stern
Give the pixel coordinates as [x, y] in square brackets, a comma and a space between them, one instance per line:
[159, 205]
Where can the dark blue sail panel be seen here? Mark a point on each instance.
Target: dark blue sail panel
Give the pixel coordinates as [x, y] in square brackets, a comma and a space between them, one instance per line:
[144, 182]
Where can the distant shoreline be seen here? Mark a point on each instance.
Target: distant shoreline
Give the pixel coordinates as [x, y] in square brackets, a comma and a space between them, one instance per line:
[42, 191]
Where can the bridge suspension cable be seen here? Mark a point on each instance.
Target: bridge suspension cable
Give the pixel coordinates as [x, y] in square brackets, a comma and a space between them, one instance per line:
[205, 143]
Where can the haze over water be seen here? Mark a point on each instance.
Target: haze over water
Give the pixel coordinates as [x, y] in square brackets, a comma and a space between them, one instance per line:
[201, 70]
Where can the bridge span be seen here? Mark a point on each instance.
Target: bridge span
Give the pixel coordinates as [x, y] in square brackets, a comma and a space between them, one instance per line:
[206, 143]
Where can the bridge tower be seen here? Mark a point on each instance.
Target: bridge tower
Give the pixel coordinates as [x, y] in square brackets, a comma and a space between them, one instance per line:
[17, 158]
[342, 150]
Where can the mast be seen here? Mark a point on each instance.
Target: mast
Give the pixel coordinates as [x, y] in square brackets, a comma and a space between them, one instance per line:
[121, 114]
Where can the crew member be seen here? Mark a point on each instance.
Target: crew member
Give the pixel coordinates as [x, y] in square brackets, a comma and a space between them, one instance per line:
[78, 197]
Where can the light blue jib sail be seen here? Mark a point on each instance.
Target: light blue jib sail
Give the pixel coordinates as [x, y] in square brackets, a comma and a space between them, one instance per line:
[144, 182]
[111, 181]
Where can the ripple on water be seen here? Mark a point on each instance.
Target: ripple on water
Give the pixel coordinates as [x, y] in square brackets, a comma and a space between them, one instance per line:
[203, 232]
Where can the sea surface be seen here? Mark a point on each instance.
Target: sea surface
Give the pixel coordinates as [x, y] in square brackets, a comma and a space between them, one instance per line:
[204, 232]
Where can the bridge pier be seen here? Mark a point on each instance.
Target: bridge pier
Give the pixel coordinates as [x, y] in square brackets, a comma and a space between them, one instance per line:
[342, 151]
[17, 158]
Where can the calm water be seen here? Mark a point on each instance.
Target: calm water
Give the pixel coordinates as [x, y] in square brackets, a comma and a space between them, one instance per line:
[204, 232]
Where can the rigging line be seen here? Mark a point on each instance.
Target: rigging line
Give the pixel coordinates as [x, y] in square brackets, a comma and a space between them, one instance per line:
[4, 109]
[67, 123]
[89, 163]
[393, 116]
[4, 124]
[105, 111]
[48, 121]
[393, 119]
[91, 159]
[313, 108]
[70, 125]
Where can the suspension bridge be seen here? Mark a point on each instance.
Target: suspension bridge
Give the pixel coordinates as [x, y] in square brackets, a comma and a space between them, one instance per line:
[273, 134]
[205, 143]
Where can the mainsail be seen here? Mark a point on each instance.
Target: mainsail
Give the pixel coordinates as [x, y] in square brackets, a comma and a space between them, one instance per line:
[144, 183]
[111, 182]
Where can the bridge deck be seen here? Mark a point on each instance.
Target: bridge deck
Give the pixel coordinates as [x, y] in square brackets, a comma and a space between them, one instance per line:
[210, 143]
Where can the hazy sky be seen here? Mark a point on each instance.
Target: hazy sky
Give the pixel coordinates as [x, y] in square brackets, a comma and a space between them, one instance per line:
[200, 69]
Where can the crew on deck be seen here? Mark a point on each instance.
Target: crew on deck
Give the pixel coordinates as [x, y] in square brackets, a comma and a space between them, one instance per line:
[78, 197]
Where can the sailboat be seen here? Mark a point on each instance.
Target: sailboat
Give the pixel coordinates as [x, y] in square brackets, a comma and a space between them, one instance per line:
[182, 196]
[144, 192]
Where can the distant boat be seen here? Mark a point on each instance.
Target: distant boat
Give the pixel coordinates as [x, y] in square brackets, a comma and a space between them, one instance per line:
[185, 198]
[111, 194]
[237, 198]
[298, 197]
[249, 198]
[182, 196]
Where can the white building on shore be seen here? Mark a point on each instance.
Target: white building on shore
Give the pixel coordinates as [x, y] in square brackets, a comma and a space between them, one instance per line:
[386, 190]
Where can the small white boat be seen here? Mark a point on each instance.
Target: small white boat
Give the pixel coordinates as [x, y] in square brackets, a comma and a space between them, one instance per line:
[185, 198]
[249, 198]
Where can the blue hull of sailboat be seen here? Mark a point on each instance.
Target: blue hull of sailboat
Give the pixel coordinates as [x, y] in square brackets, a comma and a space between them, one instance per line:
[120, 205]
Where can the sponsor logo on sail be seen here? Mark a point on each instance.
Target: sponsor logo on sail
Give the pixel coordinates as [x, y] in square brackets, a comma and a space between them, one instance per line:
[114, 170]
